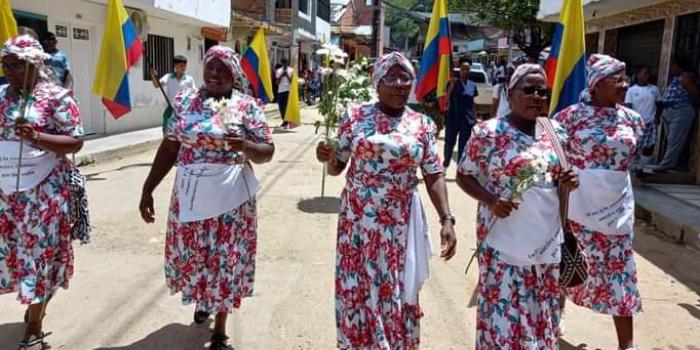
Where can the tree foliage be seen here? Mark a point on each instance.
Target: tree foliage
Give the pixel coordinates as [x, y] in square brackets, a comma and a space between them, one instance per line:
[403, 27]
[518, 17]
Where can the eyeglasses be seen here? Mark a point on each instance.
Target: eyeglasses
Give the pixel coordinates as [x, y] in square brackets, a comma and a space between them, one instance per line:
[401, 81]
[531, 90]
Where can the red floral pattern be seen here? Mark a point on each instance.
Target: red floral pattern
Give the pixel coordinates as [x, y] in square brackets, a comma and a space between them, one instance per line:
[384, 154]
[212, 262]
[36, 255]
[604, 138]
[518, 306]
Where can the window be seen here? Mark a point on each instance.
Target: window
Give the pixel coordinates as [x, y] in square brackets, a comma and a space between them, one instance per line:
[323, 10]
[304, 6]
[687, 47]
[283, 4]
[158, 54]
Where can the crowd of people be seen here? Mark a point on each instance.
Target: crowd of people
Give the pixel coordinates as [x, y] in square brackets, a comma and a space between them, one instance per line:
[514, 164]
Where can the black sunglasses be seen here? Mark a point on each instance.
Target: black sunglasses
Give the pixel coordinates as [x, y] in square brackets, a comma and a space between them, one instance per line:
[531, 90]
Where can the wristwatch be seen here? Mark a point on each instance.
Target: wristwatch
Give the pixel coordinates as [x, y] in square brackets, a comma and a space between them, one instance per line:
[449, 217]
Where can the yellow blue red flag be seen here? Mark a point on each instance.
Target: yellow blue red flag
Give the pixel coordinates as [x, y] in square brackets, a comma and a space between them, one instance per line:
[436, 62]
[566, 65]
[256, 66]
[8, 25]
[121, 49]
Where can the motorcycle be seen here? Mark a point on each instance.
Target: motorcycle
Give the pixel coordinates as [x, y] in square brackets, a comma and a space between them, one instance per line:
[312, 92]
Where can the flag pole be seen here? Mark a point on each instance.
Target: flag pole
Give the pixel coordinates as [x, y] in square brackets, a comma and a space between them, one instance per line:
[160, 86]
[22, 120]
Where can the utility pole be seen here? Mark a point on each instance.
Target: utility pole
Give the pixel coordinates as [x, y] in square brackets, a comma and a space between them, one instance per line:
[376, 29]
[294, 46]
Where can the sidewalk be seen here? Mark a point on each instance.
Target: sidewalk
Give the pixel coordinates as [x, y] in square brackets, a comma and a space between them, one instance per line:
[673, 209]
[129, 143]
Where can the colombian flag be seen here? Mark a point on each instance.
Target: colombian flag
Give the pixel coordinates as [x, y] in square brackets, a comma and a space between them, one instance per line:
[121, 49]
[257, 67]
[8, 26]
[436, 62]
[566, 65]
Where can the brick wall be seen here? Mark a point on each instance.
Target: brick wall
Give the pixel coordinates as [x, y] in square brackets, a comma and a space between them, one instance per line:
[252, 8]
[357, 13]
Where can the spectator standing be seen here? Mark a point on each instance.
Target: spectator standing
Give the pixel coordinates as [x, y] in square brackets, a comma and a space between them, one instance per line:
[174, 83]
[283, 75]
[678, 116]
[645, 98]
[58, 64]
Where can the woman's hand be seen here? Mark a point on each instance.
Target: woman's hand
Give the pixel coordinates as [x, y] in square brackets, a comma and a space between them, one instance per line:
[148, 214]
[502, 207]
[25, 131]
[448, 241]
[235, 143]
[568, 179]
[325, 152]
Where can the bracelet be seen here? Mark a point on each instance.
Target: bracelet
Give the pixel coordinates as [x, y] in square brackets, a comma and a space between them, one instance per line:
[447, 217]
[36, 136]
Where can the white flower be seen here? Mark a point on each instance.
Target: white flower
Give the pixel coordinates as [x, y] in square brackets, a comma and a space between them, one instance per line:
[223, 110]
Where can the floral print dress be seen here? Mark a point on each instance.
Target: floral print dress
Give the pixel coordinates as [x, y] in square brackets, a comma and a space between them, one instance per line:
[212, 262]
[518, 306]
[384, 154]
[604, 138]
[36, 256]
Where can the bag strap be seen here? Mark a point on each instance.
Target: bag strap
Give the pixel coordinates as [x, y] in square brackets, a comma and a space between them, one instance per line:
[548, 128]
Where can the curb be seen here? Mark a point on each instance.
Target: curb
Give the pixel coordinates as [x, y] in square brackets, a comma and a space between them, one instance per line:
[674, 219]
[117, 146]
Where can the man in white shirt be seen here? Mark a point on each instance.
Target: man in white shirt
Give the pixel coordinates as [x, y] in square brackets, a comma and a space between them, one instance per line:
[284, 80]
[500, 106]
[173, 83]
[645, 98]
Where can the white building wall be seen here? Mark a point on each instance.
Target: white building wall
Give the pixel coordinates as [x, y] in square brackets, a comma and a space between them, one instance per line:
[147, 102]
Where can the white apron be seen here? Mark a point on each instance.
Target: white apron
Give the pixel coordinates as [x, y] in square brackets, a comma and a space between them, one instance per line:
[419, 249]
[37, 164]
[604, 202]
[208, 190]
[532, 234]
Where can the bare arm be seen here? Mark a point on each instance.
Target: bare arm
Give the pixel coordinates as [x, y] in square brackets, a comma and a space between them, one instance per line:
[499, 206]
[437, 189]
[69, 81]
[165, 159]
[59, 144]
[258, 153]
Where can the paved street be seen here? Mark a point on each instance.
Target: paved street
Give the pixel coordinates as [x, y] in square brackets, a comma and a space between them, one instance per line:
[118, 299]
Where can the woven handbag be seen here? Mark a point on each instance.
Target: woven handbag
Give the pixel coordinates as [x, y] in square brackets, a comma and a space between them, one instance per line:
[573, 268]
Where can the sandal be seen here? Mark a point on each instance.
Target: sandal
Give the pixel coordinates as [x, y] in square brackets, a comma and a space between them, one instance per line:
[35, 340]
[219, 342]
[201, 316]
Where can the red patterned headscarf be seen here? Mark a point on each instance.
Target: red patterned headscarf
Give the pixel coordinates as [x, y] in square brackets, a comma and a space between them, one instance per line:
[386, 62]
[26, 48]
[228, 57]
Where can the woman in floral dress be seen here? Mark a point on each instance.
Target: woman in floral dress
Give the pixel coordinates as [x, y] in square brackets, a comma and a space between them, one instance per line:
[36, 256]
[603, 136]
[379, 269]
[518, 299]
[210, 241]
